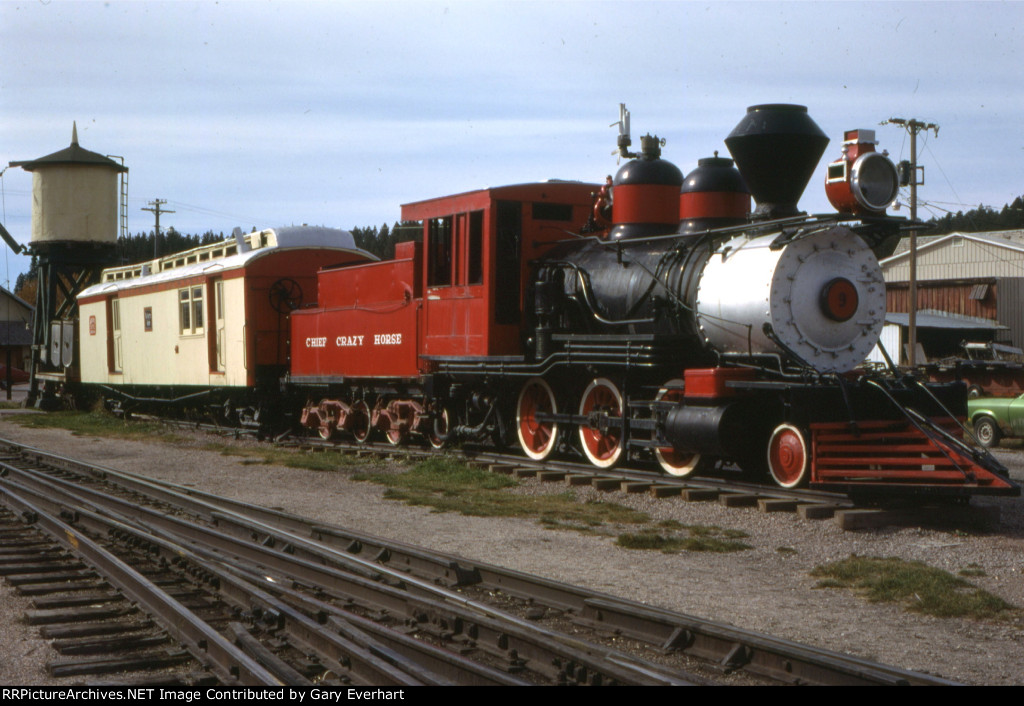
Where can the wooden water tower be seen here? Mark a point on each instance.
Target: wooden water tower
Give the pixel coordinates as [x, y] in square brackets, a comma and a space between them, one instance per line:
[74, 236]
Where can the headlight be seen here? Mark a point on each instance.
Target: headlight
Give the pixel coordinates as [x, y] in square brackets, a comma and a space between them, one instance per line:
[863, 180]
[874, 181]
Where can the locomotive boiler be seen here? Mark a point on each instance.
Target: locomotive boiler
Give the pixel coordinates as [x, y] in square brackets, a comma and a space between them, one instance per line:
[811, 290]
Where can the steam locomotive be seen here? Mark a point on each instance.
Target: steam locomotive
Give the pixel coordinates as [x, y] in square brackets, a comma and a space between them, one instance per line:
[652, 318]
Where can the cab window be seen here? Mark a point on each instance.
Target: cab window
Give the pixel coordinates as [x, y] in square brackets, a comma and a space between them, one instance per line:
[439, 255]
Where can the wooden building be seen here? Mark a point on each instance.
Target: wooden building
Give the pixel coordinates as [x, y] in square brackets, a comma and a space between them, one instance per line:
[15, 330]
[970, 288]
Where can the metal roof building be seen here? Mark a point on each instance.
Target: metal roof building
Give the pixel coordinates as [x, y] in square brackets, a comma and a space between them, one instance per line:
[968, 277]
[959, 256]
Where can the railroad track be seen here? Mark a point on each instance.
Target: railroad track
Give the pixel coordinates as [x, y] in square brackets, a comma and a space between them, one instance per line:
[245, 595]
[728, 489]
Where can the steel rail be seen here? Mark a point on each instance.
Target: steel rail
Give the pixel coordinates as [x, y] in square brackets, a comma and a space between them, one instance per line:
[547, 649]
[722, 485]
[756, 652]
[231, 665]
[343, 620]
[732, 647]
[347, 578]
[348, 645]
[367, 661]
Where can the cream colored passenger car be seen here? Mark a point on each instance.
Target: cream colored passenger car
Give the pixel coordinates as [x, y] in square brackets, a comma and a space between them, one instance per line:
[213, 317]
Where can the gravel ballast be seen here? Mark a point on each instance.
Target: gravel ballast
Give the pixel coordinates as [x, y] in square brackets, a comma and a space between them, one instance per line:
[767, 588]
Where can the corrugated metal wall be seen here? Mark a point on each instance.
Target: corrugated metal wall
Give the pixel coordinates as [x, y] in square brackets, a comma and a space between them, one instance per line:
[967, 277]
[1010, 308]
[891, 341]
[958, 259]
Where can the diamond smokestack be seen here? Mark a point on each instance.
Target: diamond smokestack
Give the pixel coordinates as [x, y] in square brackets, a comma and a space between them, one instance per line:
[776, 148]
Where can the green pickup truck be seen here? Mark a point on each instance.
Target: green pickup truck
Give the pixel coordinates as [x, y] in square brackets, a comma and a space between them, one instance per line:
[996, 417]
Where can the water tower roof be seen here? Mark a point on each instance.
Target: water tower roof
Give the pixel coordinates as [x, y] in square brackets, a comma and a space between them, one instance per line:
[74, 154]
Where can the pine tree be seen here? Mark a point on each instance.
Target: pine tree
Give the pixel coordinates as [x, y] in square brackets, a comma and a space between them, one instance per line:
[981, 219]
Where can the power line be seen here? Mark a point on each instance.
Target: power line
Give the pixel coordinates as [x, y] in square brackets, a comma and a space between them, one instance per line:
[913, 126]
[156, 211]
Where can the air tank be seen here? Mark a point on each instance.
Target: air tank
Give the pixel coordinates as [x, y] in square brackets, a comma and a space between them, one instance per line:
[74, 197]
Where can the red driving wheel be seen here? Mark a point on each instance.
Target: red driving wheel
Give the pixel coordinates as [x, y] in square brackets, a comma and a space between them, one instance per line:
[602, 447]
[536, 437]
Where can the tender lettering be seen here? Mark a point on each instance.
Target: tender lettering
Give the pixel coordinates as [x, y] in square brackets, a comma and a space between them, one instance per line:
[387, 339]
[343, 341]
[316, 342]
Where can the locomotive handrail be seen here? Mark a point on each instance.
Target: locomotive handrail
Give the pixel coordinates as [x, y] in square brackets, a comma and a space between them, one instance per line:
[788, 236]
[544, 366]
[979, 453]
[768, 331]
[981, 457]
[655, 279]
[776, 223]
[919, 420]
[588, 299]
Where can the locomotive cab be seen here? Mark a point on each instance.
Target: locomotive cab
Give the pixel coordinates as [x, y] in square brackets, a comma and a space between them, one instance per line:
[477, 251]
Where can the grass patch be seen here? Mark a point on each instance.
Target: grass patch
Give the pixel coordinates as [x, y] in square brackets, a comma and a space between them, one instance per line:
[552, 523]
[292, 458]
[102, 423]
[449, 485]
[699, 538]
[95, 423]
[917, 586]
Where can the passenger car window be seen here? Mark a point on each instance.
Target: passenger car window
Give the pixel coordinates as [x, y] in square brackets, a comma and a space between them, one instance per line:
[190, 310]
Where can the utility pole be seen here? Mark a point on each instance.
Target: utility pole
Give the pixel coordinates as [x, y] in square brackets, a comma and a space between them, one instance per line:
[913, 126]
[156, 210]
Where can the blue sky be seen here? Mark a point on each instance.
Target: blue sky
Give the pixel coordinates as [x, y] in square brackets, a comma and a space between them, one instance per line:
[335, 113]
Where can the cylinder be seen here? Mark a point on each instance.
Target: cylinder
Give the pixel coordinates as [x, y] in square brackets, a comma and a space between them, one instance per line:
[821, 298]
[74, 204]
